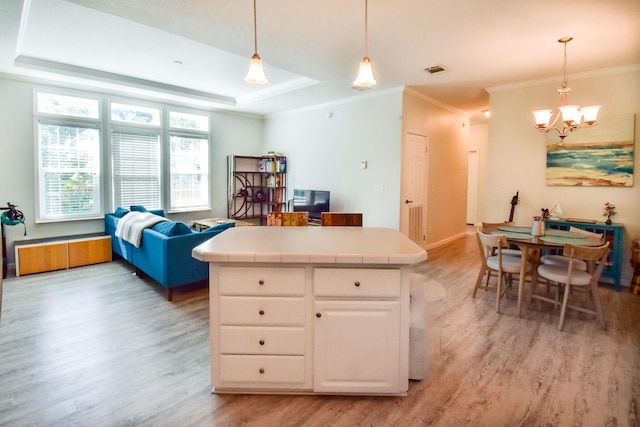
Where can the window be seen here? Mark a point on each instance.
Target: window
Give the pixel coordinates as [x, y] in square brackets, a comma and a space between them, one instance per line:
[136, 169]
[135, 114]
[135, 156]
[153, 156]
[68, 146]
[189, 161]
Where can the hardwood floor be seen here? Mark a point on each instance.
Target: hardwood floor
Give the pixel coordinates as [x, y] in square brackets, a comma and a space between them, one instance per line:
[97, 346]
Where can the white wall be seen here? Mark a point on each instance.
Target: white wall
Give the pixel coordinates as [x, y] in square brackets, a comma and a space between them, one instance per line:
[517, 155]
[448, 146]
[325, 145]
[230, 134]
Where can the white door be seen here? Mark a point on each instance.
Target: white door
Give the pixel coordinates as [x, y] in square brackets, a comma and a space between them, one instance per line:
[472, 188]
[414, 182]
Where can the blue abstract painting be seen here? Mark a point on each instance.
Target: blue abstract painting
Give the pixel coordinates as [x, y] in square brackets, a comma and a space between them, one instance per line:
[598, 156]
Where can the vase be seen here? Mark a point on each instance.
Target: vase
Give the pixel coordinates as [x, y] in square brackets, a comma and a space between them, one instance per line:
[608, 221]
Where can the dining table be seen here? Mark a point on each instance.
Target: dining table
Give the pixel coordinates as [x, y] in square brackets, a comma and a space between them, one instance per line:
[531, 245]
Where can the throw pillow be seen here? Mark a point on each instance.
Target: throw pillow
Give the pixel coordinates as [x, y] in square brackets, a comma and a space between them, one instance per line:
[138, 208]
[120, 212]
[171, 228]
[220, 227]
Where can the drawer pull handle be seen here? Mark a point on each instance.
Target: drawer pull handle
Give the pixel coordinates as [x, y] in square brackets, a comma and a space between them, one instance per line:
[261, 370]
[261, 342]
[357, 283]
[261, 312]
[318, 314]
[261, 282]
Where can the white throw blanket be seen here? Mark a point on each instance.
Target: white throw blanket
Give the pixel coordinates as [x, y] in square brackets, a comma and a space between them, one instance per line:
[130, 226]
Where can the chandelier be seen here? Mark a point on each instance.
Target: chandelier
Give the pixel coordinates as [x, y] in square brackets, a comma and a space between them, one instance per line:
[573, 116]
[365, 78]
[256, 68]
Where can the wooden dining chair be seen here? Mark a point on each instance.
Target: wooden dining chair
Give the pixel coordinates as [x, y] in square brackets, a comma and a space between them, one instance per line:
[287, 219]
[493, 260]
[490, 227]
[341, 219]
[569, 278]
[553, 259]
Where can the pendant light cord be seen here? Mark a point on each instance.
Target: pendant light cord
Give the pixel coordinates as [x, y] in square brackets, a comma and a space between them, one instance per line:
[366, 29]
[255, 30]
[565, 80]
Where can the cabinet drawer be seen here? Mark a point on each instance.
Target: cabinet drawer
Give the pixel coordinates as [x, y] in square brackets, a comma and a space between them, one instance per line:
[270, 311]
[39, 258]
[259, 340]
[278, 281]
[356, 283]
[262, 369]
[89, 251]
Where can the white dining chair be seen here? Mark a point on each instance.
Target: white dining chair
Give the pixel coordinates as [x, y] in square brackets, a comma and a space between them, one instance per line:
[489, 227]
[562, 260]
[568, 278]
[491, 248]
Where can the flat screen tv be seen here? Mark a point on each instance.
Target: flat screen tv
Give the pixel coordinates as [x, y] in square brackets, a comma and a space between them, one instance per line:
[313, 201]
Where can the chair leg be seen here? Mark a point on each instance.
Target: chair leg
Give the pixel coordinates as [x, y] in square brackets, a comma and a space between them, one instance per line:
[565, 300]
[479, 280]
[534, 284]
[489, 271]
[499, 291]
[596, 301]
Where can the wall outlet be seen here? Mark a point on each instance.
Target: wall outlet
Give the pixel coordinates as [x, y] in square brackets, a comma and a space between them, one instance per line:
[378, 188]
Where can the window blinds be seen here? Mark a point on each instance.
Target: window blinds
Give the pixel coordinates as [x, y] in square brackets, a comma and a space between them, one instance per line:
[136, 169]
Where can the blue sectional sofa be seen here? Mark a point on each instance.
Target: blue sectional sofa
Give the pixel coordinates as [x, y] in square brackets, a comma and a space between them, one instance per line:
[165, 249]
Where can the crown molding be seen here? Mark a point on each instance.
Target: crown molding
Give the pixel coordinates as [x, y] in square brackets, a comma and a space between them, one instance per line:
[578, 76]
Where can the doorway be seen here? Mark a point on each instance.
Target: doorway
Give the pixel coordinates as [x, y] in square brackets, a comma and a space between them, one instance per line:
[472, 187]
[413, 222]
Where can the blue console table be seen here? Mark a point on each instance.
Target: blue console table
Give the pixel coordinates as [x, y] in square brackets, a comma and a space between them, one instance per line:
[612, 233]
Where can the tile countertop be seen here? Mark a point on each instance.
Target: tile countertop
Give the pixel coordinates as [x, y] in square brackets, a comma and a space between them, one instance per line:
[342, 245]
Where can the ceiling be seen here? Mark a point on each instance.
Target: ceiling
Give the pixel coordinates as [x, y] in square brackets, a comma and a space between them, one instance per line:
[198, 50]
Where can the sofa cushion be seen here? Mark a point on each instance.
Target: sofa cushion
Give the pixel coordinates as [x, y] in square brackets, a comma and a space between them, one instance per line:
[171, 228]
[138, 208]
[219, 227]
[120, 212]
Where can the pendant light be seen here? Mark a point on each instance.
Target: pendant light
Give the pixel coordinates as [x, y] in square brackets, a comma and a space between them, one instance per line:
[573, 116]
[365, 78]
[256, 68]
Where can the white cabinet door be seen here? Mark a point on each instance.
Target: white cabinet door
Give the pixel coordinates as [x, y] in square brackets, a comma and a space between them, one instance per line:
[357, 347]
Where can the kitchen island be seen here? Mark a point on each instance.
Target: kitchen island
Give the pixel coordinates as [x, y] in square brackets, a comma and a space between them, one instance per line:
[310, 309]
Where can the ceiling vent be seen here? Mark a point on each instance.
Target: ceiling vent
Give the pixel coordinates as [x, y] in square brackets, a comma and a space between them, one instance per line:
[435, 69]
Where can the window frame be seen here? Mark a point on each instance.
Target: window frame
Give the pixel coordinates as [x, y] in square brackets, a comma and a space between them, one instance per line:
[105, 126]
[186, 133]
[66, 120]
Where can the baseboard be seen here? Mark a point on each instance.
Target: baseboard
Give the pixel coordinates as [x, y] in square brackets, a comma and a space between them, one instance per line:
[447, 240]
